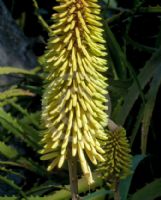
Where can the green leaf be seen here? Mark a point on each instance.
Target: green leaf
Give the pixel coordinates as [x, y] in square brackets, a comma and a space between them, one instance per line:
[29, 118]
[43, 198]
[98, 195]
[11, 124]
[151, 9]
[116, 54]
[12, 184]
[32, 134]
[26, 163]
[41, 189]
[158, 40]
[10, 163]
[4, 70]
[111, 3]
[122, 66]
[125, 183]
[8, 151]
[149, 106]
[8, 198]
[144, 77]
[14, 92]
[136, 126]
[65, 195]
[139, 46]
[40, 18]
[28, 198]
[9, 171]
[148, 192]
[32, 166]
[83, 186]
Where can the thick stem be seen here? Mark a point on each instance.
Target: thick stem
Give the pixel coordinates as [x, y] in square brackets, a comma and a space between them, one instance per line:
[112, 125]
[72, 166]
[116, 195]
[116, 191]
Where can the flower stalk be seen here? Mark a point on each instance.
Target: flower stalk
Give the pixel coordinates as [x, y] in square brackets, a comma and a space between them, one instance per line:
[72, 165]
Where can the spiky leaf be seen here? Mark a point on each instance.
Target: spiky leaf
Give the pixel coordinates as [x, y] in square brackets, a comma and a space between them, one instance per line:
[14, 92]
[13, 70]
[149, 192]
[8, 151]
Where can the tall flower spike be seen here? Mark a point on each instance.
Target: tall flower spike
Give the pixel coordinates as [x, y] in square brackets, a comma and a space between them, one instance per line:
[73, 105]
[118, 158]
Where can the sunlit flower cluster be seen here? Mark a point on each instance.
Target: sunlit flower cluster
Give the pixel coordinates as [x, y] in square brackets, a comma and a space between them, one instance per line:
[74, 102]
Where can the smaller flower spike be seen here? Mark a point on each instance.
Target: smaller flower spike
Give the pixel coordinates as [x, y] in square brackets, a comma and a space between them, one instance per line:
[73, 105]
[117, 156]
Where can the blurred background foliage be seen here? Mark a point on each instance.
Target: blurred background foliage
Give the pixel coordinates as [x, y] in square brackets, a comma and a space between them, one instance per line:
[133, 34]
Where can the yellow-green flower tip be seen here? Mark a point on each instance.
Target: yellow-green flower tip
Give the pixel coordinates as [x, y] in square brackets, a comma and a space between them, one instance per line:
[118, 158]
[74, 102]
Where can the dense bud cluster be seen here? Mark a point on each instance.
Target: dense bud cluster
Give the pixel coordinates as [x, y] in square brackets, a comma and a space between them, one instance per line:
[117, 156]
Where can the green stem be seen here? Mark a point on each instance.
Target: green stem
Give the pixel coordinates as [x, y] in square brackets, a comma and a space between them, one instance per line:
[40, 18]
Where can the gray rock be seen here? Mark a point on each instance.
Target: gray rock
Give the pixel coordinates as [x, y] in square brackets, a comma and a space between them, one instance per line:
[14, 46]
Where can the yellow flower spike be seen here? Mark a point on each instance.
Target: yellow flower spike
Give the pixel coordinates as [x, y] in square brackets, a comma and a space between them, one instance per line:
[74, 102]
[117, 156]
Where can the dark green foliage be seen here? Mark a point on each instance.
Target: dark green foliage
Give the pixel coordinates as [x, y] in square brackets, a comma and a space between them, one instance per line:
[148, 192]
[133, 34]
